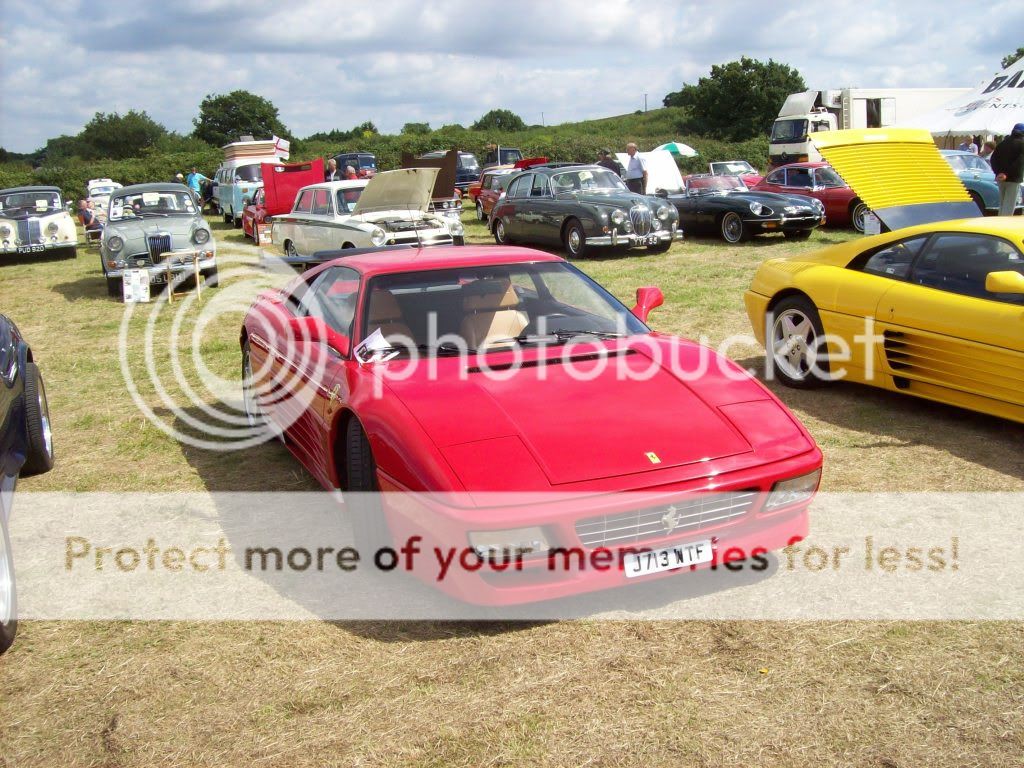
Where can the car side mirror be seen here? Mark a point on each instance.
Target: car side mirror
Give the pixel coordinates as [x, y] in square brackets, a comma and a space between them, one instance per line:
[1004, 282]
[315, 330]
[647, 298]
[246, 200]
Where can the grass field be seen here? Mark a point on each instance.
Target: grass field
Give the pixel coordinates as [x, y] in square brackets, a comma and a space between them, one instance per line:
[598, 693]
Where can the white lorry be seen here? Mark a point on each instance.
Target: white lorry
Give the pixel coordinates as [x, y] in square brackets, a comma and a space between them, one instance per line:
[812, 111]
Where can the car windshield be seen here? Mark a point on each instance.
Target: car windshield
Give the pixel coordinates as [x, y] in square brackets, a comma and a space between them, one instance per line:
[731, 168]
[30, 200]
[161, 202]
[590, 179]
[826, 177]
[96, 191]
[473, 309]
[508, 156]
[252, 172]
[468, 162]
[347, 199]
[714, 185]
[788, 131]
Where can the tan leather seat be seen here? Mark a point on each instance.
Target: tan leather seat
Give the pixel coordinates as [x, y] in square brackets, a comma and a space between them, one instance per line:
[492, 314]
[387, 315]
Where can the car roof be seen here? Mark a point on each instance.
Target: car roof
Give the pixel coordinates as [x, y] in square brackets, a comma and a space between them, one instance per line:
[816, 164]
[31, 189]
[339, 184]
[551, 168]
[440, 257]
[154, 186]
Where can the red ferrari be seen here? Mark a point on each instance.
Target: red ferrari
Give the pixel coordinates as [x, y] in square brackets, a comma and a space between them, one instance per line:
[496, 401]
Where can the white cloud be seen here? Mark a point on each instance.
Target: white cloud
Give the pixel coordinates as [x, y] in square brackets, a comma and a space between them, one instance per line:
[333, 65]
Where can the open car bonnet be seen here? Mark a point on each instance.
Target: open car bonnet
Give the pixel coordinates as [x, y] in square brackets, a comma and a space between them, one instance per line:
[406, 189]
[899, 173]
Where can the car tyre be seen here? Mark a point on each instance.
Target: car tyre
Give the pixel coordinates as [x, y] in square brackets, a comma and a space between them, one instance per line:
[8, 592]
[226, 215]
[115, 287]
[978, 201]
[732, 228]
[500, 233]
[39, 457]
[797, 234]
[480, 215]
[290, 252]
[211, 278]
[369, 526]
[795, 342]
[575, 240]
[858, 212]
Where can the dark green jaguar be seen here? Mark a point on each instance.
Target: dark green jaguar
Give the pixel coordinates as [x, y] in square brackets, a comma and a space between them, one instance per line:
[581, 207]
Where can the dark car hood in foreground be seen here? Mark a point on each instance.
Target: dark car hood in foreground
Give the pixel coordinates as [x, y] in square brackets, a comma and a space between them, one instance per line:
[497, 432]
[773, 200]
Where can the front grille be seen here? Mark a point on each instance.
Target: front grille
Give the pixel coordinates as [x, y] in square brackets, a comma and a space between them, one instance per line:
[641, 218]
[158, 246]
[29, 231]
[684, 516]
[408, 226]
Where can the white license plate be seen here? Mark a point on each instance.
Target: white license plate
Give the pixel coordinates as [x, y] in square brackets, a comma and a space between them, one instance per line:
[31, 248]
[668, 558]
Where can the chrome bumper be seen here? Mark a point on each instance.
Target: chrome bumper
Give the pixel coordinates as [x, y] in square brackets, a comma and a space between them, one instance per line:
[631, 239]
[177, 261]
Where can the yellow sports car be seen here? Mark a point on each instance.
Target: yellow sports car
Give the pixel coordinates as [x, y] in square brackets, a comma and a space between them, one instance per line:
[935, 310]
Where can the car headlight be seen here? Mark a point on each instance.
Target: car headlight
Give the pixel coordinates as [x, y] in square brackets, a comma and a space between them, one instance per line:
[200, 236]
[377, 236]
[5, 231]
[457, 228]
[115, 243]
[512, 542]
[756, 208]
[618, 217]
[664, 212]
[51, 228]
[793, 491]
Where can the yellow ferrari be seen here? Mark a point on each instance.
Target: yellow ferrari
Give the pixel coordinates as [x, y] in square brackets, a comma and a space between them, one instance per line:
[934, 310]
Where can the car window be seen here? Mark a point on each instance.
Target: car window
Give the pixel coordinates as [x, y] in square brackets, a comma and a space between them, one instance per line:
[972, 163]
[959, 263]
[305, 202]
[258, 199]
[332, 297]
[776, 177]
[521, 186]
[540, 187]
[798, 177]
[955, 162]
[893, 260]
[321, 202]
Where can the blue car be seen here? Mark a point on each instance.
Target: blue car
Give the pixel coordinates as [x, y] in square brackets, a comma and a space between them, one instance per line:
[26, 448]
[976, 174]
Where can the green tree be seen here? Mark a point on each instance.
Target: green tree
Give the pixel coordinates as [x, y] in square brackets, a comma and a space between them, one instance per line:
[227, 117]
[738, 100]
[410, 129]
[116, 137]
[1013, 57]
[499, 120]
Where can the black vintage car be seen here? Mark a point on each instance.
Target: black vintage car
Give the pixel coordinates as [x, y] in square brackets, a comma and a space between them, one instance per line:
[581, 207]
[26, 448]
[724, 205]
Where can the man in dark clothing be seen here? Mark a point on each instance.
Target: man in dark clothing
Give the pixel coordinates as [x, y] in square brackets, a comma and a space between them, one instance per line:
[332, 173]
[87, 216]
[1008, 166]
[607, 161]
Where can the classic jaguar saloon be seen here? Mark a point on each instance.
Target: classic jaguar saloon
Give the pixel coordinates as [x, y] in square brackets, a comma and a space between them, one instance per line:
[159, 228]
[581, 208]
[33, 221]
[497, 400]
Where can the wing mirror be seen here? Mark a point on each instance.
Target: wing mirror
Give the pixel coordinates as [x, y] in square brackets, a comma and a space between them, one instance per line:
[317, 331]
[246, 201]
[1004, 282]
[647, 298]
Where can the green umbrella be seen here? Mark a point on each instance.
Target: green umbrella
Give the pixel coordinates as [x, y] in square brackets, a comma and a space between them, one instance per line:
[680, 149]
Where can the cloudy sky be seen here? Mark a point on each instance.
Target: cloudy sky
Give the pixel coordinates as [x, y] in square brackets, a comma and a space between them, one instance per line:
[335, 64]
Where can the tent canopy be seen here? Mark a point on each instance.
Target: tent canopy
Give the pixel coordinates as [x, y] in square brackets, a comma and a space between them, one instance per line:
[994, 106]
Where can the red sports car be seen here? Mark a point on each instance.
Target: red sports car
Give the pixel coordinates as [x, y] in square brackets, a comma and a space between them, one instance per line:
[819, 180]
[254, 214]
[496, 401]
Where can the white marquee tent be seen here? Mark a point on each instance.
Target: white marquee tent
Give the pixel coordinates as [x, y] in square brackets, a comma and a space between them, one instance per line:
[994, 107]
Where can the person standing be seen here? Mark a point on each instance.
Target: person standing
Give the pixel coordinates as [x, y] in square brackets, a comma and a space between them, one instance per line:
[968, 145]
[1008, 166]
[195, 181]
[987, 149]
[636, 170]
[605, 160]
[332, 174]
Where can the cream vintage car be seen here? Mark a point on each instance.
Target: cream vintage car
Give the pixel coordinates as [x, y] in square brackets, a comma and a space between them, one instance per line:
[98, 193]
[389, 209]
[34, 220]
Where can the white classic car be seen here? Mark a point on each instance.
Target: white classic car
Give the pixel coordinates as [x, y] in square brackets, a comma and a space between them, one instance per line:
[34, 220]
[389, 209]
[98, 193]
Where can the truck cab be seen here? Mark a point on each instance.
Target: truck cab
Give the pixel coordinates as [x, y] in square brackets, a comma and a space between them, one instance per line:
[790, 139]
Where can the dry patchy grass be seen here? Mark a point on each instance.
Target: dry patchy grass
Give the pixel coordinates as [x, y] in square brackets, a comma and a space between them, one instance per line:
[573, 693]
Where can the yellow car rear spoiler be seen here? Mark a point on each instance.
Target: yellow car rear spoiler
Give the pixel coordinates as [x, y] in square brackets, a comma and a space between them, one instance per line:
[898, 173]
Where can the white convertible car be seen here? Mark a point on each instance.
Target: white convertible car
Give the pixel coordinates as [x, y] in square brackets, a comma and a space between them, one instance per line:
[389, 209]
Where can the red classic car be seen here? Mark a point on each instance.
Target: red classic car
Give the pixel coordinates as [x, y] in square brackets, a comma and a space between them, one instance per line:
[818, 180]
[492, 185]
[281, 181]
[492, 400]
